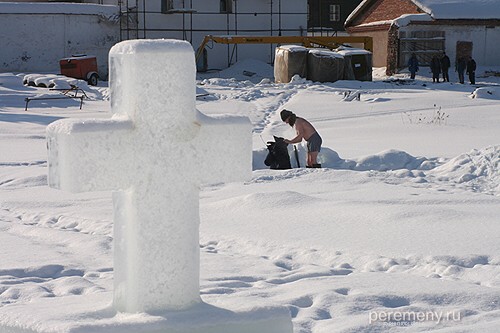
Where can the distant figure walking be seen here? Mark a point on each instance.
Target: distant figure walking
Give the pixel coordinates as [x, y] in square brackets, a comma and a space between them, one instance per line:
[435, 68]
[471, 70]
[445, 66]
[413, 65]
[460, 66]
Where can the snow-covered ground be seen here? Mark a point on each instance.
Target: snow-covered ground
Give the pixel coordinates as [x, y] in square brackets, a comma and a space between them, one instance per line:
[401, 226]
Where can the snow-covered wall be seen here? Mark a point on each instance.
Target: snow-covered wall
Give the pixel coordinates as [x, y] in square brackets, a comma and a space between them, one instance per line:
[36, 36]
[484, 39]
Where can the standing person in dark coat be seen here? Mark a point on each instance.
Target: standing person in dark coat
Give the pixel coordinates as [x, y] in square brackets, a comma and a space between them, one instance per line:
[435, 68]
[471, 70]
[460, 66]
[413, 65]
[445, 66]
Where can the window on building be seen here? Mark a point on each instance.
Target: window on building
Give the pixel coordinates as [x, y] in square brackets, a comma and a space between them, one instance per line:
[226, 6]
[334, 13]
[171, 5]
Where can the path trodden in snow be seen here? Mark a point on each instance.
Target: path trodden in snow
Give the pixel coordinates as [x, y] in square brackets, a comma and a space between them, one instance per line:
[155, 151]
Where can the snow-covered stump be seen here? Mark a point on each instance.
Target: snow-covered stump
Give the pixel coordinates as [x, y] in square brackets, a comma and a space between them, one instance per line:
[155, 152]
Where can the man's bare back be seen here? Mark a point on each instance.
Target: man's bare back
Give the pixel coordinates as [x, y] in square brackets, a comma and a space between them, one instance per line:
[304, 129]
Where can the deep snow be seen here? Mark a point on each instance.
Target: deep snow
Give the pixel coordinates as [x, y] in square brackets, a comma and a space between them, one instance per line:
[402, 219]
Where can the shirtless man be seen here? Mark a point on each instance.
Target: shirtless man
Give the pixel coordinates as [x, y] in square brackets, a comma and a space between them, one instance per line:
[307, 132]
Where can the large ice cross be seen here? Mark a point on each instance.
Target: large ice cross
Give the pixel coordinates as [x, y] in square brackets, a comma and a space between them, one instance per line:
[156, 149]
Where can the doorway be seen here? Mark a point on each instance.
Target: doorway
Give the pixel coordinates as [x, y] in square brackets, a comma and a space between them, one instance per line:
[464, 49]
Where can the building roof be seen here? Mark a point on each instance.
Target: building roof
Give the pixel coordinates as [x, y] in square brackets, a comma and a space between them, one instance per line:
[58, 8]
[447, 9]
[460, 9]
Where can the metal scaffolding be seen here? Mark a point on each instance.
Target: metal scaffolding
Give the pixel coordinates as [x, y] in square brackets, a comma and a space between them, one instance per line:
[135, 21]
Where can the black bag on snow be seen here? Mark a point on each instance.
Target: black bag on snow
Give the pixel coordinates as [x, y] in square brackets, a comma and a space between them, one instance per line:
[277, 157]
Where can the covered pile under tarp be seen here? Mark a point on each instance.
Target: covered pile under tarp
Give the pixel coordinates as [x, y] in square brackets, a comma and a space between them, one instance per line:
[358, 64]
[324, 65]
[289, 61]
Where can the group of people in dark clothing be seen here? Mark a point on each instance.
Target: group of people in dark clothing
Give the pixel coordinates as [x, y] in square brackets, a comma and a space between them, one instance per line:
[442, 65]
[468, 65]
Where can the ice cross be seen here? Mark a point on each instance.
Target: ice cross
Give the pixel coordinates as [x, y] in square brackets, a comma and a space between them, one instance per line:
[156, 150]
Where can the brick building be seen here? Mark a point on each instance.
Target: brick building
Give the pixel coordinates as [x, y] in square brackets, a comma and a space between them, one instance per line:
[427, 28]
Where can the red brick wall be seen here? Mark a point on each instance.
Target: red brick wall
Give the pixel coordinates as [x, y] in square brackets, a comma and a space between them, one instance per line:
[382, 10]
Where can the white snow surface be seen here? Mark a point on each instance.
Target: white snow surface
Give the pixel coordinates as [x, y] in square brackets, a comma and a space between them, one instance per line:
[403, 218]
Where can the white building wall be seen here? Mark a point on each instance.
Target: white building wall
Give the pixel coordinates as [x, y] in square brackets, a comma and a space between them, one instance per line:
[492, 47]
[486, 47]
[35, 42]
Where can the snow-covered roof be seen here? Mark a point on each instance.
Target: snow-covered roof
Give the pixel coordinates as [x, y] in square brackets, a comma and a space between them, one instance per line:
[401, 21]
[448, 9]
[460, 9]
[351, 16]
[58, 8]
[405, 19]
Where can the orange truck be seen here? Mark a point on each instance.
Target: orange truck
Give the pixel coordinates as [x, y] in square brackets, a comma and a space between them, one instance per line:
[82, 67]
